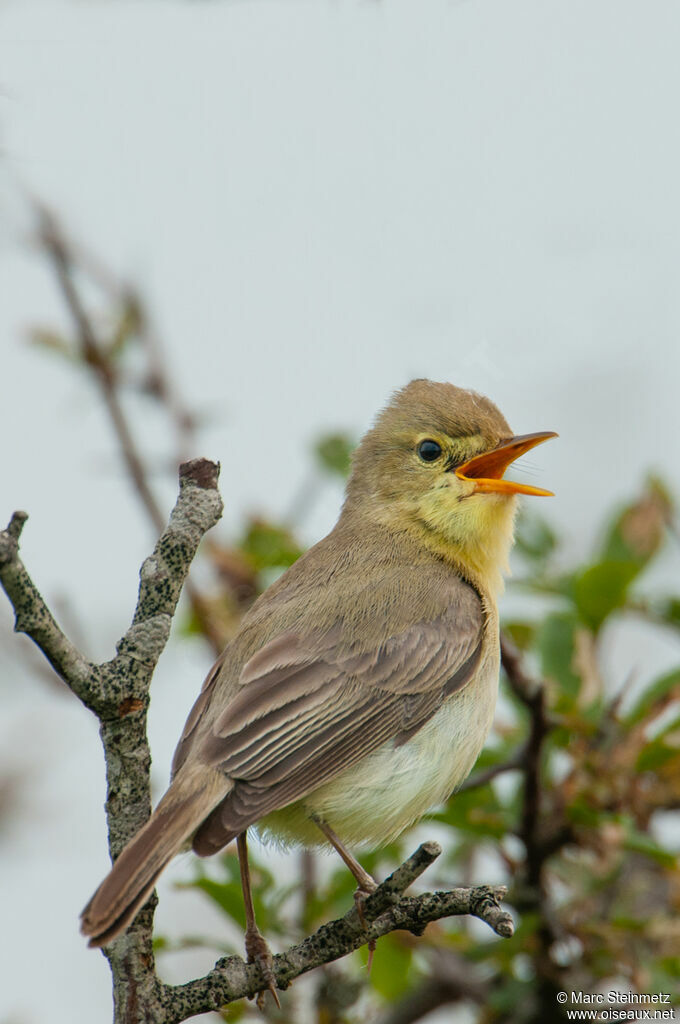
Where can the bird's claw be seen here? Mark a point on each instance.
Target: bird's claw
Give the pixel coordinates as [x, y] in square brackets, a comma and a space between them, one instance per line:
[360, 895]
[359, 900]
[259, 953]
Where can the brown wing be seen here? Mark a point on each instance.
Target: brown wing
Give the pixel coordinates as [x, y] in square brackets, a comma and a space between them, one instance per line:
[199, 706]
[310, 708]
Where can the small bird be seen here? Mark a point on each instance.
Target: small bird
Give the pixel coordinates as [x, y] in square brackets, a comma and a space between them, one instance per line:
[361, 686]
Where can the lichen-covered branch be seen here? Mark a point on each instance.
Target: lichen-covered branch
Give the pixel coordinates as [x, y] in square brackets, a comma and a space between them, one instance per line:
[110, 690]
[386, 910]
[33, 617]
[118, 693]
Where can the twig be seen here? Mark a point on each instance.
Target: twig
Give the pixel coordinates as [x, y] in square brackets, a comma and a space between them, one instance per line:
[481, 778]
[95, 355]
[527, 689]
[33, 618]
[532, 694]
[530, 893]
[158, 381]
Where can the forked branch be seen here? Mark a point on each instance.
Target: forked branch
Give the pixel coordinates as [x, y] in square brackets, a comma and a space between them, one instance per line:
[118, 693]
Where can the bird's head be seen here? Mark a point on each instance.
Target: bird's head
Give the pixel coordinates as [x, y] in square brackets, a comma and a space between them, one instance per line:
[433, 465]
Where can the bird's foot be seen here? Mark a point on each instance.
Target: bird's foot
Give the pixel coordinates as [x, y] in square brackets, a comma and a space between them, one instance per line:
[368, 886]
[259, 953]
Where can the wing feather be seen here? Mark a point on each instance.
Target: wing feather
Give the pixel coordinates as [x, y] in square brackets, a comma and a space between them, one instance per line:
[309, 707]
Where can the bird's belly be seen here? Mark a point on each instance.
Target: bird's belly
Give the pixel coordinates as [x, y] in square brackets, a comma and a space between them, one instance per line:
[376, 799]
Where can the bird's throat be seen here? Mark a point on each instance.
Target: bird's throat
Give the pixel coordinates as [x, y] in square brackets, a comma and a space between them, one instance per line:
[475, 539]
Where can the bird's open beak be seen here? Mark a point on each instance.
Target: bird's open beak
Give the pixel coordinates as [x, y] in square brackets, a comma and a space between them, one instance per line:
[486, 470]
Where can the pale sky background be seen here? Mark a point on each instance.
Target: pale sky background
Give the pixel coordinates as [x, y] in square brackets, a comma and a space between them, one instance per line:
[320, 201]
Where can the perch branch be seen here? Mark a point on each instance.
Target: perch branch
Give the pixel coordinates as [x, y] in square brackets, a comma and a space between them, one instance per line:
[386, 910]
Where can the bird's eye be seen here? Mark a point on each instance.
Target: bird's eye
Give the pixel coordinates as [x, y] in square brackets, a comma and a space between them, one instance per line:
[429, 451]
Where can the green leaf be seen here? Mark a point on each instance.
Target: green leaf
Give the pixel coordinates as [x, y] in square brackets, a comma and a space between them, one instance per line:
[555, 644]
[333, 453]
[637, 532]
[234, 1011]
[662, 751]
[668, 609]
[505, 998]
[638, 842]
[53, 342]
[602, 589]
[534, 538]
[391, 967]
[268, 896]
[546, 585]
[267, 546]
[654, 692]
[226, 895]
[581, 812]
[477, 811]
[521, 633]
[128, 323]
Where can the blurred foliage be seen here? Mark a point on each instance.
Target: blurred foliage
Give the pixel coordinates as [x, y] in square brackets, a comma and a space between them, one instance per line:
[263, 549]
[334, 453]
[594, 881]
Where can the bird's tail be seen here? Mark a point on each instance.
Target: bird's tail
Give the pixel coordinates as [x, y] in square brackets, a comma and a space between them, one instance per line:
[133, 876]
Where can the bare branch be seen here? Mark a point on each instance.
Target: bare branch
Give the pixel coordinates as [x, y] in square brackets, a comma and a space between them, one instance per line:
[33, 618]
[96, 356]
[481, 778]
[93, 355]
[540, 841]
[532, 693]
[386, 910]
[120, 686]
[528, 690]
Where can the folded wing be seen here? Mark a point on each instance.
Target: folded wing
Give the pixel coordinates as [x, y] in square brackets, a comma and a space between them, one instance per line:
[310, 707]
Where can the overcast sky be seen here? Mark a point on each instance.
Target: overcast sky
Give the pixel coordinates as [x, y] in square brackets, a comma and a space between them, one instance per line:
[320, 201]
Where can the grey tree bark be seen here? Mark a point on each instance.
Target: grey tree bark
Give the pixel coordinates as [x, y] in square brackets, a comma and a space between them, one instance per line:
[117, 692]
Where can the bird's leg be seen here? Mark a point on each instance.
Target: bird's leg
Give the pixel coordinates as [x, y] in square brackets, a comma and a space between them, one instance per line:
[257, 950]
[366, 883]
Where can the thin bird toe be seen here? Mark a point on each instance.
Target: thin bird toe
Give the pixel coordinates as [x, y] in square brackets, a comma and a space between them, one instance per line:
[259, 953]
